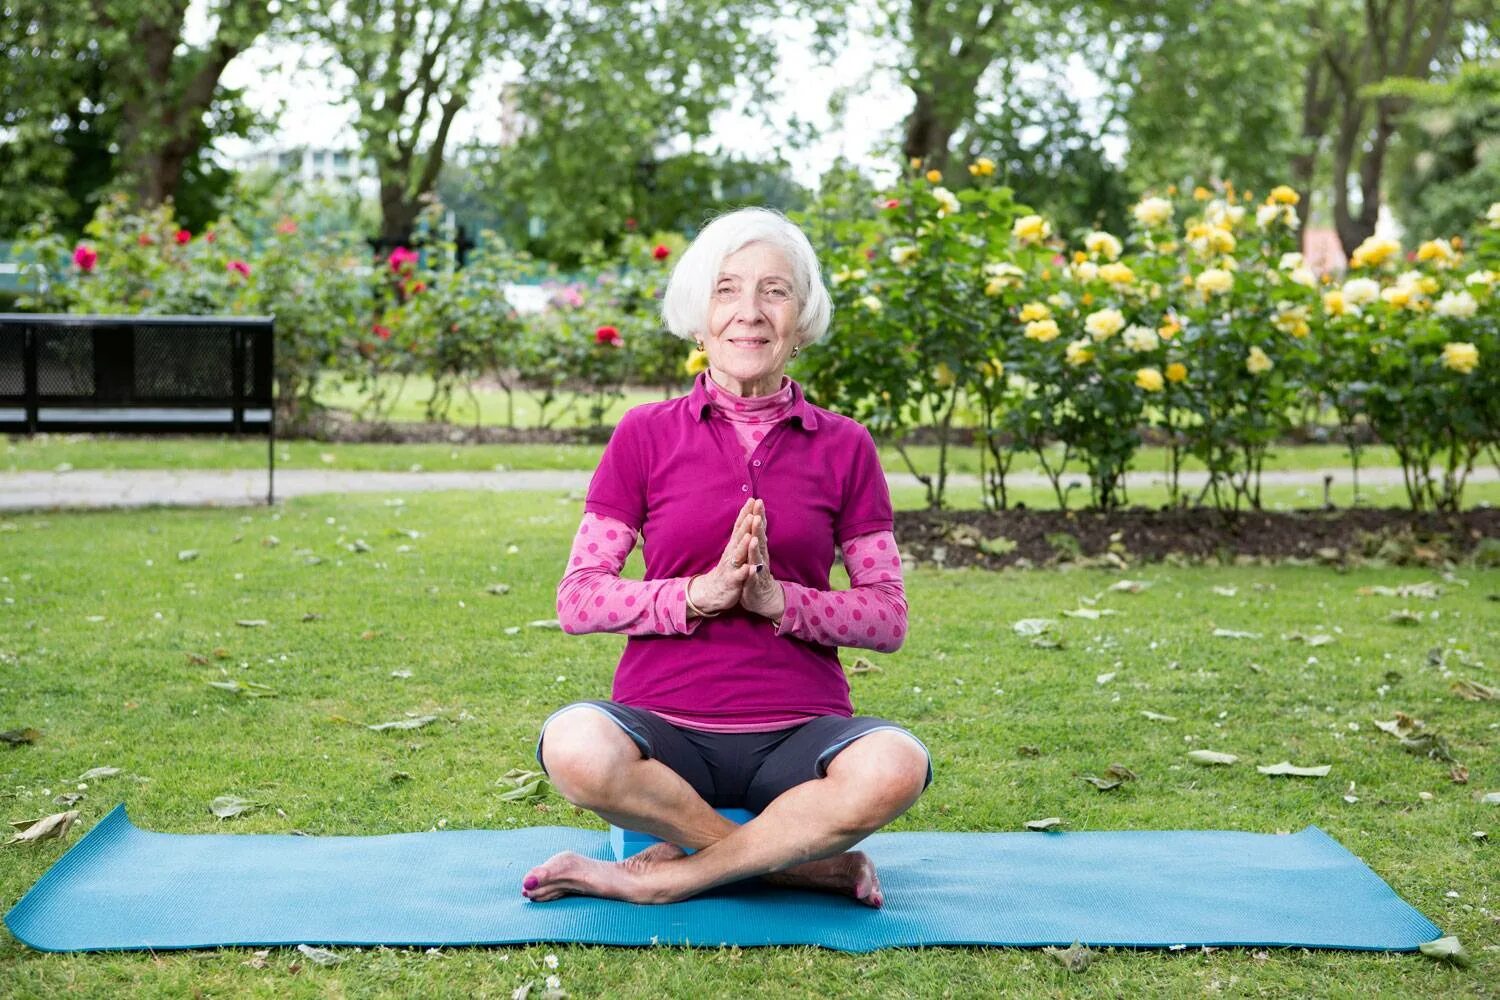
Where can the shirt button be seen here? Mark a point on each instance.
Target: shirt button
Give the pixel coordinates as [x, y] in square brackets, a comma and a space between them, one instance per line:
[756, 463]
[744, 487]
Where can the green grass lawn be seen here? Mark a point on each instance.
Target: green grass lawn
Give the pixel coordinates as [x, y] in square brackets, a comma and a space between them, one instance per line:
[108, 640]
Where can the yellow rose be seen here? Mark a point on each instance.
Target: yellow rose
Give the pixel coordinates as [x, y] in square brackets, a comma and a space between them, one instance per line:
[1102, 245]
[1373, 252]
[1456, 305]
[1257, 363]
[1201, 193]
[1493, 215]
[1281, 194]
[982, 167]
[1031, 229]
[1214, 281]
[1033, 311]
[943, 375]
[934, 177]
[1104, 324]
[1079, 353]
[1291, 320]
[1438, 251]
[871, 303]
[947, 201]
[1086, 272]
[1460, 357]
[1042, 330]
[1397, 295]
[696, 361]
[1153, 212]
[1169, 327]
[1148, 379]
[1333, 302]
[1177, 372]
[993, 368]
[903, 254]
[1117, 274]
[916, 163]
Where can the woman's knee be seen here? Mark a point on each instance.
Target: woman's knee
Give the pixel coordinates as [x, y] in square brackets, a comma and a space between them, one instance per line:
[582, 750]
[890, 768]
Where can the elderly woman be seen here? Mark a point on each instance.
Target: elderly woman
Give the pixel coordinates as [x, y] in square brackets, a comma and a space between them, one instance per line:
[730, 692]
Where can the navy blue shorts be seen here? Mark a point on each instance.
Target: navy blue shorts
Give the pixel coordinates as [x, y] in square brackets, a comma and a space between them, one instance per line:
[739, 770]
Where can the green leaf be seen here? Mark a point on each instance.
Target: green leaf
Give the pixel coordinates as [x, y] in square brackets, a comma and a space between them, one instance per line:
[1445, 949]
[1075, 958]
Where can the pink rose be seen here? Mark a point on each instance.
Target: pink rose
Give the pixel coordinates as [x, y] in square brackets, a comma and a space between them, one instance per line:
[239, 267]
[85, 257]
[402, 259]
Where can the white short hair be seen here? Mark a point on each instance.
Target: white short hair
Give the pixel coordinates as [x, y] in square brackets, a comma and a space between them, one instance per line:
[685, 305]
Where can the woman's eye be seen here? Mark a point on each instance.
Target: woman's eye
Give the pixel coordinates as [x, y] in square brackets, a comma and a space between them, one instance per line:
[777, 294]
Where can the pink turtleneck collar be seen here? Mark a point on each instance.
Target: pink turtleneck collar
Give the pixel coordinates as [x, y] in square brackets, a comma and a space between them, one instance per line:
[750, 409]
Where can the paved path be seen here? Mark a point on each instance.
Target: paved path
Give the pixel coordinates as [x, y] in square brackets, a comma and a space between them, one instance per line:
[240, 487]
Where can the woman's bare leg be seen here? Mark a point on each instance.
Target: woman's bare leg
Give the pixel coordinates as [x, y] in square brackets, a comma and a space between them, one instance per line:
[871, 782]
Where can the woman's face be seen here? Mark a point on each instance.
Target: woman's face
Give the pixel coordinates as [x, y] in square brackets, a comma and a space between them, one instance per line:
[752, 321]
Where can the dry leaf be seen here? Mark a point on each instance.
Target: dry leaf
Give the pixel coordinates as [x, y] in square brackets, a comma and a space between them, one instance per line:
[1401, 726]
[15, 737]
[1428, 745]
[1027, 750]
[498, 589]
[34, 831]
[1427, 591]
[1103, 784]
[252, 622]
[551, 623]
[1315, 639]
[1229, 633]
[320, 956]
[229, 806]
[1404, 617]
[1445, 949]
[1158, 717]
[1049, 823]
[862, 665]
[1487, 798]
[1033, 626]
[1469, 691]
[1075, 958]
[1211, 757]
[245, 689]
[95, 773]
[187, 555]
[1120, 772]
[1226, 591]
[1103, 679]
[1129, 586]
[1458, 774]
[414, 723]
[1286, 767]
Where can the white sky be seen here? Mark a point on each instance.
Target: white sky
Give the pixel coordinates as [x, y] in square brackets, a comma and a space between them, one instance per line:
[275, 76]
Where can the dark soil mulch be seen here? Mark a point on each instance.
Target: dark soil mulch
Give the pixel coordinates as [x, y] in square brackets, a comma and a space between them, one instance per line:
[993, 539]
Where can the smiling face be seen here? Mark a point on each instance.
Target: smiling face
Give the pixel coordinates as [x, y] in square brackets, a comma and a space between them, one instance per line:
[752, 321]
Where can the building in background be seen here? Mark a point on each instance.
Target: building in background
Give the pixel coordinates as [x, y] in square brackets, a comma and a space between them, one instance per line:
[313, 165]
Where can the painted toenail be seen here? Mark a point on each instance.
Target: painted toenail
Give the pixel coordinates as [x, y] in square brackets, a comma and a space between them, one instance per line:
[531, 882]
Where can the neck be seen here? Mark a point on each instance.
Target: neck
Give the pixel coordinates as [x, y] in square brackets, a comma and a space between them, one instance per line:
[766, 385]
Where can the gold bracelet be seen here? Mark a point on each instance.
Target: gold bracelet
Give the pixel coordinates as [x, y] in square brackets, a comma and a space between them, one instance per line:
[687, 593]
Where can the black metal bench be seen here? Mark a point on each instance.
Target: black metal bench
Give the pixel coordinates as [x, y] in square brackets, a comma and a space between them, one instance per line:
[139, 375]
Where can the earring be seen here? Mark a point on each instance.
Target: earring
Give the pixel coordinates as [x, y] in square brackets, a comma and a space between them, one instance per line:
[796, 351]
[700, 345]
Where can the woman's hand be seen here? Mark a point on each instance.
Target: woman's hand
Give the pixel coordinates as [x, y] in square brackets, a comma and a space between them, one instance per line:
[720, 588]
[761, 594]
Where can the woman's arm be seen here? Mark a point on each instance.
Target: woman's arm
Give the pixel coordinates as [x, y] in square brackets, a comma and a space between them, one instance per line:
[871, 614]
[593, 597]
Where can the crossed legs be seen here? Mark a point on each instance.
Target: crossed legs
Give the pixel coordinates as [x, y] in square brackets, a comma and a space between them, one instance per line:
[799, 839]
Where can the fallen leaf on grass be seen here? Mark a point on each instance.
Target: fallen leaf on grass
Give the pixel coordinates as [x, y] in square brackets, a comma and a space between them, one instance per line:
[257, 960]
[245, 689]
[1047, 642]
[229, 806]
[498, 589]
[1445, 949]
[1401, 726]
[1469, 691]
[1051, 822]
[1226, 591]
[413, 723]
[1211, 757]
[513, 630]
[551, 623]
[1075, 958]
[1487, 798]
[320, 956]
[1033, 626]
[311, 616]
[1458, 774]
[862, 665]
[1090, 614]
[187, 555]
[1229, 633]
[1158, 717]
[95, 773]
[1129, 586]
[15, 737]
[1427, 591]
[1115, 776]
[34, 831]
[1428, 745]
[525, 785]
[1404, 617]
[1286, 767]
[67, 799]
[1103, 679]
[1027, 750]
[401, 674]
[1103, 784]
[252, 622]
[1315, 639]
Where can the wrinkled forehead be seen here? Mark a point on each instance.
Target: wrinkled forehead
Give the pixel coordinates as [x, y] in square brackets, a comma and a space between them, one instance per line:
[757, 261]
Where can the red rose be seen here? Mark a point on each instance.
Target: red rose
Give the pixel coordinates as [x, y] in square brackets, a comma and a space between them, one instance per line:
[183, 237]
[416, 288]
[607, 335]
[85, 257]
[144, 240]
[630, 225]
[239, 267]
[662, 251]
[210, 236]
[383, 332]
[893, 203]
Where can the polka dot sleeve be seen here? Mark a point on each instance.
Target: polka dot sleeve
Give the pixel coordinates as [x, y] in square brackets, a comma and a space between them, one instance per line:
[592, 596]
[871, 614]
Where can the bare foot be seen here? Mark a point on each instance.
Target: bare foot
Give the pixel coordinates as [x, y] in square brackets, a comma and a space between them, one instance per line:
[848, 874]
[573, 874]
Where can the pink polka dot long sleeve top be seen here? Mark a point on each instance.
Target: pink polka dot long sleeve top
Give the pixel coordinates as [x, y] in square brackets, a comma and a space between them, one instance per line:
[677, 474]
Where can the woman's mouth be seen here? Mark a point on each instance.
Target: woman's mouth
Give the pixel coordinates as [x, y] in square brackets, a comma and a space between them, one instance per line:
[749, 343]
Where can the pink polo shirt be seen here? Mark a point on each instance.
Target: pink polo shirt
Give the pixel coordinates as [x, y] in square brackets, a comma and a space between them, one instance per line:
[676, 472]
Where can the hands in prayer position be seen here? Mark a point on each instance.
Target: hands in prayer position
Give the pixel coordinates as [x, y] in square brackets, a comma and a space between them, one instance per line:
[742, 577]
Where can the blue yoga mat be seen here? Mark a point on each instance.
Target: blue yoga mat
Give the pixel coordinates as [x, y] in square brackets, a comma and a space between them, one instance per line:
[124, 888]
